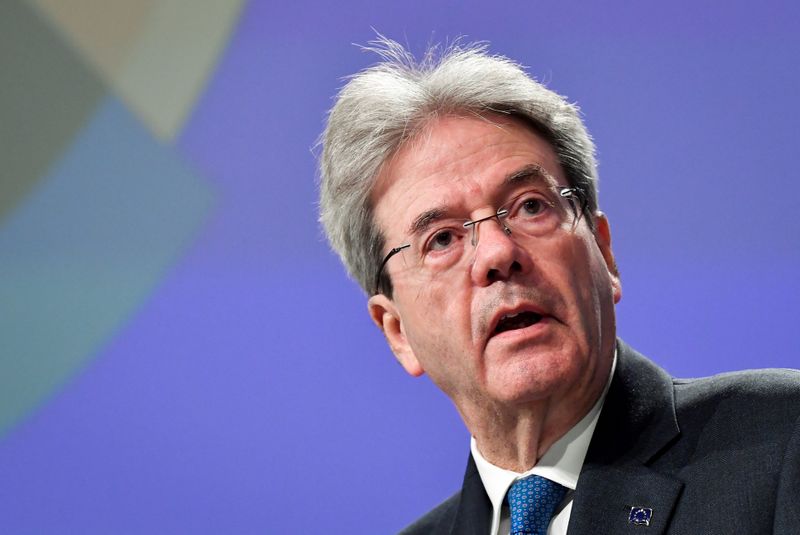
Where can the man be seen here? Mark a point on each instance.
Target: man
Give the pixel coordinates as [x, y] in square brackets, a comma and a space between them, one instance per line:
[461, 195]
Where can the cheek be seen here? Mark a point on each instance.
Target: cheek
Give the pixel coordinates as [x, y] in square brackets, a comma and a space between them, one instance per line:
[440, 333]
[597, 300]
[435, 319]
[584, 282]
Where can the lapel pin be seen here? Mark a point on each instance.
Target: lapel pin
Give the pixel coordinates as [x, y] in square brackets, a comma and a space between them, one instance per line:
[640, 516]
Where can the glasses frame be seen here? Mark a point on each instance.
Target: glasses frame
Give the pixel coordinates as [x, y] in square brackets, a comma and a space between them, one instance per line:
[568, 192]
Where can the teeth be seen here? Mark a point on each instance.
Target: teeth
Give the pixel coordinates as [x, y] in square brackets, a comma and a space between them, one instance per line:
[509, 316]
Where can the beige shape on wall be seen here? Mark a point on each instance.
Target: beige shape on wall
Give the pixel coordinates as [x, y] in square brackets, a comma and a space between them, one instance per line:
[156, 54]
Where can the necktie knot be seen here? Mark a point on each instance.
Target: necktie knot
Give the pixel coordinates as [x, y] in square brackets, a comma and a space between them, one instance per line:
[532, 502]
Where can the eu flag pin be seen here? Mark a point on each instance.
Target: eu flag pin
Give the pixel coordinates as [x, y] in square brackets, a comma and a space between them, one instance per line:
[640, 516]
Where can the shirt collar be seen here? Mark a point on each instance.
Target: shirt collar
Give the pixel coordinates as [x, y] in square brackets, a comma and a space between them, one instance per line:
[561, 463]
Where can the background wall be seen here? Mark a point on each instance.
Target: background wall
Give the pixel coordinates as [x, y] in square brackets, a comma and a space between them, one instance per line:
[180, 352]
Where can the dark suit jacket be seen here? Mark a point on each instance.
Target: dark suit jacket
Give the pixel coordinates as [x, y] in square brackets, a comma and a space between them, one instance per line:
[719, 455]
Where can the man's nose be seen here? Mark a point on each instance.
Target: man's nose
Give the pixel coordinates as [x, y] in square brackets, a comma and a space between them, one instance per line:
[497, 254]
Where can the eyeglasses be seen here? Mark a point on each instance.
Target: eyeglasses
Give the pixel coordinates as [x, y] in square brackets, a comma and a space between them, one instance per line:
[439, 246]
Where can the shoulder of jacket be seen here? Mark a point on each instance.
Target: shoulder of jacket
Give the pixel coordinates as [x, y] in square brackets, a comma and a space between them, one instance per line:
[434, 521]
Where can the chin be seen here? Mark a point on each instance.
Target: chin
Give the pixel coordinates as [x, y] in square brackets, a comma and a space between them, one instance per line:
[528, 381]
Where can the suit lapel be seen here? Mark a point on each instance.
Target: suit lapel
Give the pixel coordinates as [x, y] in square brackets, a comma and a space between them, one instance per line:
[474, 516]
[637, 423]
[605, 497]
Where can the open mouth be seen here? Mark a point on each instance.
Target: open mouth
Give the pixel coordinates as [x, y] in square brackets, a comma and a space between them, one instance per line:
[520, 320]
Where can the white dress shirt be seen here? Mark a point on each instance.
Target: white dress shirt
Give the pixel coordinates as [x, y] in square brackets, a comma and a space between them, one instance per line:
[561, 463]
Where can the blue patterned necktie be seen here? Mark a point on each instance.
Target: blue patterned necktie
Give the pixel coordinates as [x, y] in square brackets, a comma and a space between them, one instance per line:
[532, 501]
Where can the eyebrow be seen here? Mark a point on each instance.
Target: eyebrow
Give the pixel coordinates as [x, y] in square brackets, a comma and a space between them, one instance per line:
[528, 174]
[424, 220]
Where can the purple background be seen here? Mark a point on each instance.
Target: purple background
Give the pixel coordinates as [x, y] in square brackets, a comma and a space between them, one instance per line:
[250, 393]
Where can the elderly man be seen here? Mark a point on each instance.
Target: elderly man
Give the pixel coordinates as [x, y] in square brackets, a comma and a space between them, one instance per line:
[461, 195]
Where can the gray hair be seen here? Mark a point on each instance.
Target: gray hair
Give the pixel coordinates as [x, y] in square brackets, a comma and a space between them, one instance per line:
[385, 105]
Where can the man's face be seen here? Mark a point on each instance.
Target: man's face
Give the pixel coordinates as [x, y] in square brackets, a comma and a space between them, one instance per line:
[456, 328]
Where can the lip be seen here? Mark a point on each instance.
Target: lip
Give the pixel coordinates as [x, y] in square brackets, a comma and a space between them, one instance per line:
[528, 334]
[519, 308]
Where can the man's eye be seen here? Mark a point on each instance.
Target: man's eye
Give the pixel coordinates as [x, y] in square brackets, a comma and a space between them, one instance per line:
[441, 240]
[531, 206]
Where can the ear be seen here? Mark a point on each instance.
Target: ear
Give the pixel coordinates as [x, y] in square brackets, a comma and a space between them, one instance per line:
[602, 236]
[384, 313]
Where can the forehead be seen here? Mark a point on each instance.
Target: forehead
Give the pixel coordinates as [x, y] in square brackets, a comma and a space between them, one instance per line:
[458, 162]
